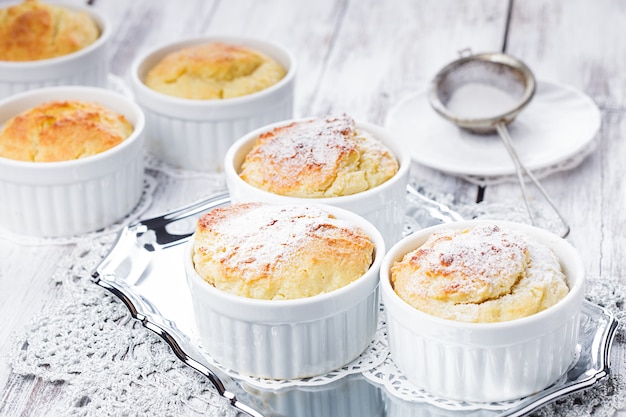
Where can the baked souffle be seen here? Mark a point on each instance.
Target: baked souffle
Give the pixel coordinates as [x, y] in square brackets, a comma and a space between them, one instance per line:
[62, 131]
[316, 158]
[279, 252]
[34, 30]
[214, 70]
[481, 275]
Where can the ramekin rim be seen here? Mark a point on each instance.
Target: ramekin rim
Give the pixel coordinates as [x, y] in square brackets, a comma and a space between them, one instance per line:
[231, 171]
[138, 129]
[216, 103]
[396, 252]
[379, 254]
[104, 24]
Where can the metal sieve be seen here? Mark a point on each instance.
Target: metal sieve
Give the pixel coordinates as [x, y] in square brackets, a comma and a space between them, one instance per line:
[483, 93]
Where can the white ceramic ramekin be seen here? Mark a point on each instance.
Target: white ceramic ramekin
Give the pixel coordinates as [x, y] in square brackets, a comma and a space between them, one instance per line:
[384, 205]
[65, 198]
[88, 66]
[195, 134]
[484, 362]
[286, 339]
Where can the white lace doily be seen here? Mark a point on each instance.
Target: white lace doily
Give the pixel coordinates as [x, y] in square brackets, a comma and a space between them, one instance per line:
[111, 365]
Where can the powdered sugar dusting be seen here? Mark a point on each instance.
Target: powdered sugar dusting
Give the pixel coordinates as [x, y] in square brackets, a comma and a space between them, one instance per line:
[543, 263]
[304, 149]
[318, 158]
[315, 141]
[470, 265]
[257, 236]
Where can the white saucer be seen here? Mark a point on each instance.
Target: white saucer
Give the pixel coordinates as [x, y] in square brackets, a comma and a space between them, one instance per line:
[559, 122]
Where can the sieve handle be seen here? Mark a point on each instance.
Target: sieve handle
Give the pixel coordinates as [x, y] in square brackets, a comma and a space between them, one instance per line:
[520, 170]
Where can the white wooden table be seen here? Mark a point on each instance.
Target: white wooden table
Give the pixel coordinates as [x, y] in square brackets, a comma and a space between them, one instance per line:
[362, 57]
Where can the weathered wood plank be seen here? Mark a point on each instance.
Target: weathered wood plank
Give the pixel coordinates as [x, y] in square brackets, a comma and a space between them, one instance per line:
[384, 53]
[25, 289]
[578, 44]
[28, 396]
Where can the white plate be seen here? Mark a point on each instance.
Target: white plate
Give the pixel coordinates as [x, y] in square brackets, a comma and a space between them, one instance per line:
[559, 122]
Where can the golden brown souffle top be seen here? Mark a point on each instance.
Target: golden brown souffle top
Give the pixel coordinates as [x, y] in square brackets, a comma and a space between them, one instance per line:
[33, 30]
[62, 131]
[279, 252]
[480, 275]
[318, 158]
[214, 70]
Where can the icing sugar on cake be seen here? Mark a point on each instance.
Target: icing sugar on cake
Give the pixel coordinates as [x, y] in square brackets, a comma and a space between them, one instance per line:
[303, 149]
[318, 157]
[470, 265]
[279, 252]
[311, 143]
[258, 236]
[484, 274]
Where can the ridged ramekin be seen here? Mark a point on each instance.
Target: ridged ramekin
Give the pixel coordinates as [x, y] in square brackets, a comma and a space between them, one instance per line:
[485, 362]
[65, 198]
[287, 339]
[351, 395]
[384, 205]
[88, 66]
[195, 134]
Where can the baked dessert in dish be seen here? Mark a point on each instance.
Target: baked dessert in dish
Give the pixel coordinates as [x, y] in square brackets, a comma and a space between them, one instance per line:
[292, 290]
[333, 160]
[62, 130]
[276, 252]
[484, 274]
[318, 157]
[206, 69]
[34, 30]
[482, 300]
[214, 70]
[87, 175]
[52, 44]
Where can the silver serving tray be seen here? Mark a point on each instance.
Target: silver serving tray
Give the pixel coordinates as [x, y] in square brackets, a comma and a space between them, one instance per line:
[144, 269]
